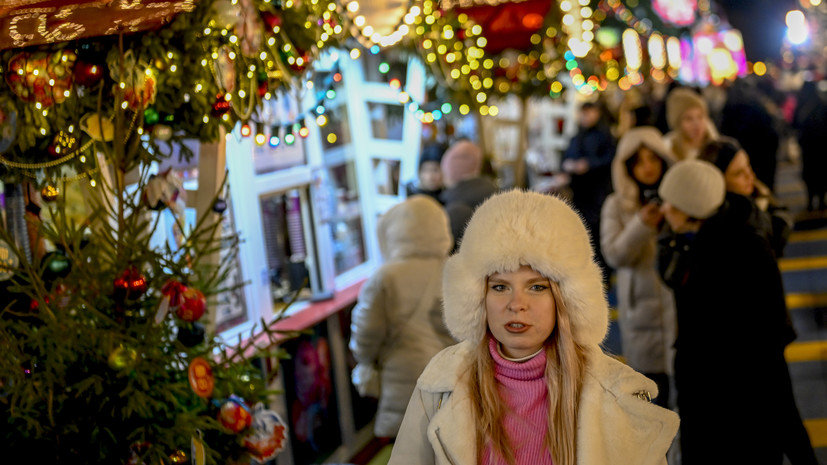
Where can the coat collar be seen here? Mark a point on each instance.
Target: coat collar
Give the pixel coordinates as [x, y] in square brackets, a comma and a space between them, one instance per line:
[613, 421]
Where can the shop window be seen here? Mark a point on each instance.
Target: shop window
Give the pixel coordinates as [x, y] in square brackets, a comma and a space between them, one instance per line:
[286, 245]
[386, 176]
[386, 121]
[345, 216]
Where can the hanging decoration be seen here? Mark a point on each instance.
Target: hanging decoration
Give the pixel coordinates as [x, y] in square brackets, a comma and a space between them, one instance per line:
[269, 434]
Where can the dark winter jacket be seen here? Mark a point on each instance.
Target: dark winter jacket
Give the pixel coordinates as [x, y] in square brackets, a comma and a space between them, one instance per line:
[461, 200]
[726, 277]
[590, 189]
[733, 326]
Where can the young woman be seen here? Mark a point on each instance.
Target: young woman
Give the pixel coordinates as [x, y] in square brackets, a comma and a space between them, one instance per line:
[630, 222]
[770, 217]
[734, 391]
[689, 125]
[528, 383]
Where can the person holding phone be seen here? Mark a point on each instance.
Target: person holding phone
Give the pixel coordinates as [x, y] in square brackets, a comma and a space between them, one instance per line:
[629, 226]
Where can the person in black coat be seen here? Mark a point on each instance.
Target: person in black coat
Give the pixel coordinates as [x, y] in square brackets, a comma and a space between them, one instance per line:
[810, 121]
[734, 390]
[588, 162]
[746, 119]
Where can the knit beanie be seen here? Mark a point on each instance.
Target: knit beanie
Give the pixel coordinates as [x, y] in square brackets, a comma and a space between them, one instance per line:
[695, 187]
[461, 161]
[680, 100]
[720, 152]
[518, 228]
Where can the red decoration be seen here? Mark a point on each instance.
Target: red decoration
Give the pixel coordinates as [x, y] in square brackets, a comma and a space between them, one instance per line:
[235, 415]
[271, 20]
[88, 74]
[41, 77]
[508, 25]
[131, 284]
[201, 378]
[221, 106]
[192, 305]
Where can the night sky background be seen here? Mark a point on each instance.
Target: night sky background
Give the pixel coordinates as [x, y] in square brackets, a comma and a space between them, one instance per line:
[761, 22]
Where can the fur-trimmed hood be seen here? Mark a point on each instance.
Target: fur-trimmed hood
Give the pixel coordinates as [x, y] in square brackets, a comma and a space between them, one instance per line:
[622, 182]
[416, 227]
[525, 228]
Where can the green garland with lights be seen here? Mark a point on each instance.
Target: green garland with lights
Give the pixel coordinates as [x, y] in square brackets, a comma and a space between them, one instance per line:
[201, 72]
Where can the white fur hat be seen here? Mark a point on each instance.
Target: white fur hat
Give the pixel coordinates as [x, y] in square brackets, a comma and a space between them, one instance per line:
[525, 228]
[695, 187]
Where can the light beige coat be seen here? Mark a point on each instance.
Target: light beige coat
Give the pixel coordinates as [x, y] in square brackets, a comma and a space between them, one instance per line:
[646, 306]
[389, 326]
[614, 425]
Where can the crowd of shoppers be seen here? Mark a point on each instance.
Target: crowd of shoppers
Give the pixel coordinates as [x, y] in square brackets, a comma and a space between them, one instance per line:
[684, 218]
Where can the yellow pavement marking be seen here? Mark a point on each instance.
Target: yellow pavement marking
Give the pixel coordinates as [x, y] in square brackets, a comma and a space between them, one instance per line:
[806, 236]
[817, 428]
[795, 301]
[810, 351]
[802, 263]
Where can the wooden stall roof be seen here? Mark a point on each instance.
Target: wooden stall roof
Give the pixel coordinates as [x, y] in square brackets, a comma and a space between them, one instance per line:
[25, 23]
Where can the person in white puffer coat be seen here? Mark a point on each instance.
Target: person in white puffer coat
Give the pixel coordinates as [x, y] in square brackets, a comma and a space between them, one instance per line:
[629, 227]
[529, 382]
[397, 322]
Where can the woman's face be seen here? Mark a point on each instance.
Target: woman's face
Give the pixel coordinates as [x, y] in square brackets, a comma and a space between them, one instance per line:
[693, 125]
[739, 176]
[648, 167]
[520, 310]
[677, 219]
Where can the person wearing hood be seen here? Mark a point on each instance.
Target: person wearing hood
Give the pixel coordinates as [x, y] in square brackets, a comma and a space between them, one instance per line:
[465, 186]
[770, 218]
[690, 127]
[528, 381]
[735, 395]
[397, 322]
[630, 222]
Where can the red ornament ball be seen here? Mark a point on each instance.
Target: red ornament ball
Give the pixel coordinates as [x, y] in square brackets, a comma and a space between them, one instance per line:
[193, 304]
[221, 106]
[235, 416]
[131, 284]
[88, 74]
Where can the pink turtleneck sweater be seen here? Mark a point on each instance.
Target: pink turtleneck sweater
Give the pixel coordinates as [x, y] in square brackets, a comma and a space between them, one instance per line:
[522, 387]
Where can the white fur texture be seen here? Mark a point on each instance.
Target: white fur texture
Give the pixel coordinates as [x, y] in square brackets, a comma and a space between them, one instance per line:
[525, 228]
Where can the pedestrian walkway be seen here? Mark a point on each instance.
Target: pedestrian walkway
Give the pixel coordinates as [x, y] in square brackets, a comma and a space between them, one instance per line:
[804, 268]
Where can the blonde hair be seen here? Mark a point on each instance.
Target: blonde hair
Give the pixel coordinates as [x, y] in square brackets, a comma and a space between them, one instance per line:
[565, 365]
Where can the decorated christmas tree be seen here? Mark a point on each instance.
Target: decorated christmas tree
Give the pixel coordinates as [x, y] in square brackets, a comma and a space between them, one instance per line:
[108, 354]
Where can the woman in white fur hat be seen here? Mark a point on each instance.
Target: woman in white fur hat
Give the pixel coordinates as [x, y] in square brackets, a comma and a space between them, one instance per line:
[529, 383]
[629, 226]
